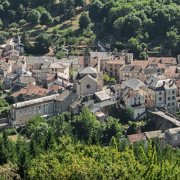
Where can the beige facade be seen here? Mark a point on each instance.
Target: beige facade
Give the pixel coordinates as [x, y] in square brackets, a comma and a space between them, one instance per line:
[113, 67]
[163, 96]
[21, 112]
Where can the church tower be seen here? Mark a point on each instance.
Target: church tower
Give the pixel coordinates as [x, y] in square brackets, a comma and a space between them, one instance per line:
[87, 58]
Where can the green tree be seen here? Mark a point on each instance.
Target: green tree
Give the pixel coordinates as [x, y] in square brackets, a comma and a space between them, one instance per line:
[84, 20]
[106, 77]
[31, 124]
[55, 31]
[60, 54]
[46, 18]
[44, 41]
[34, 16]
[81, 3]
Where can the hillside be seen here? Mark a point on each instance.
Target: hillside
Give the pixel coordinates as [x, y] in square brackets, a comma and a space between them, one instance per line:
[146, 27]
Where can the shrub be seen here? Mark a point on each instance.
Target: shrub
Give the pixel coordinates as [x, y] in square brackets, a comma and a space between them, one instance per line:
[22, 21]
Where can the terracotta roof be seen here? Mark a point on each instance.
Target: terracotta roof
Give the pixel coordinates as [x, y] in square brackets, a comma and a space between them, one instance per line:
[130, 94]
[94, 62]
[30, 89]
[50, 76]
[163, 66]
[168, 60]
[154, 60]
[171, 75]
[136, 137]
[171, 69]
[119, 60]
[137, 68]
[142, 63]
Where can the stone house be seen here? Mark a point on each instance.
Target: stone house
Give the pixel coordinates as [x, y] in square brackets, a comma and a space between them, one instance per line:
[8, 80]
[173, 135]
[5, 68]
[113, 66]
[160, 93]
[135, 102]
[135, 138]
[36, 72]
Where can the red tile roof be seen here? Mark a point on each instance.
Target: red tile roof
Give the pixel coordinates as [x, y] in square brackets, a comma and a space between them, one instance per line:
[144, 63]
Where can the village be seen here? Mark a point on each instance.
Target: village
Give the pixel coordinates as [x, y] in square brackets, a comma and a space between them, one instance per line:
[48, 86]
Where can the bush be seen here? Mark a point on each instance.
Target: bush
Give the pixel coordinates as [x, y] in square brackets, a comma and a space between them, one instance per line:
[60, 54]
[56, 20]
[13, 25]
[72, 40]
[22, 21]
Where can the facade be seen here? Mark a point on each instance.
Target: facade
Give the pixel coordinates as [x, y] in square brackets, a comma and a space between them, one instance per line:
[135, 102]
[160, 93]
[45, 107]
[173, 135]
[113, 66]
[87, 80]
[5, 68]
[8, 80]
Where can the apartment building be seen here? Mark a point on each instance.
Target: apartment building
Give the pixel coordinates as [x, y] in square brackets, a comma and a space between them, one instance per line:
[113, 66]
[160, 92]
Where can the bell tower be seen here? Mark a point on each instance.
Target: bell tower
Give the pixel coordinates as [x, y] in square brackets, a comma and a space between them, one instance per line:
[87, 58]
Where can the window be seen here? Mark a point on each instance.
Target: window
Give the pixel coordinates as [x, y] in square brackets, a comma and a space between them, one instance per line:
[25, 110]
[173, 103]
[53, 104]
[39, 107]
[160, 98]
[168, 104]
[160, 93]
[175, 137]
[172, 92]
[139, 98]
[88, 86]
[173, 97]
[52, 69]
[169, 98]
[55, 69]
[39, 111]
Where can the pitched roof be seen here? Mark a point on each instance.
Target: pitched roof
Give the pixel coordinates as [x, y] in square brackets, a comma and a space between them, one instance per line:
[131, 94]
[57, 65]
[103, 95]
[119, 60]
[174, 130]
[87, 70]
[155, 134]
[137, 137]
[37, 66]
[35, 101]
[143, 63]
[170, 69]
[104, 103]
[133, 83]
[30, 89]
[87, 76]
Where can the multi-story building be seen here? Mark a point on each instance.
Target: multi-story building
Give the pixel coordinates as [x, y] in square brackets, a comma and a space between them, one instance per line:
[160, 93]
[45, 107]
[113, 66]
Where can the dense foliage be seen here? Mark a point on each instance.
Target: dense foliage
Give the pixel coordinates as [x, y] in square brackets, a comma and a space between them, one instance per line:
[131, 24]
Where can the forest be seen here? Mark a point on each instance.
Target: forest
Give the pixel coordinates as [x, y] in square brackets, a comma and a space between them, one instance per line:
[144, 27]
[80, 147]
